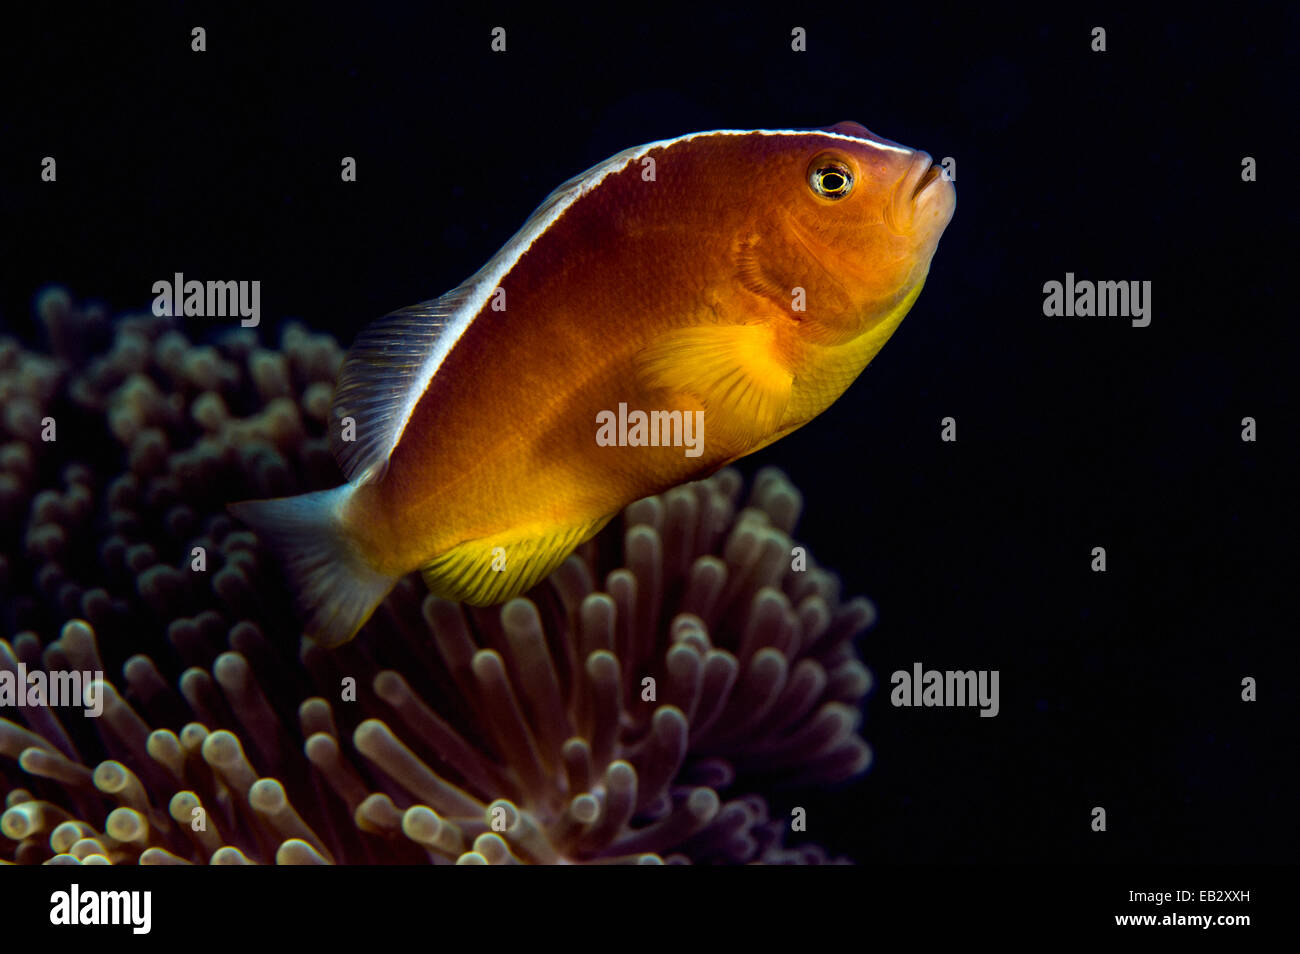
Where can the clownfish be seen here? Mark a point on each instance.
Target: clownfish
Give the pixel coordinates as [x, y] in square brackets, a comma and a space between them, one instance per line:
[680, 305]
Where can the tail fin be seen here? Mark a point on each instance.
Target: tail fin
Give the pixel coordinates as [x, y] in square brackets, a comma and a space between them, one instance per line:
[335, 588]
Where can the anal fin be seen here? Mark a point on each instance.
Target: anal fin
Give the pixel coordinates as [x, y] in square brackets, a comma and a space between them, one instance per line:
[491, 570]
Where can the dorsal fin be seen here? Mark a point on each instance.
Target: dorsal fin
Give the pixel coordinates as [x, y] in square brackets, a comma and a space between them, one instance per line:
[386, 370]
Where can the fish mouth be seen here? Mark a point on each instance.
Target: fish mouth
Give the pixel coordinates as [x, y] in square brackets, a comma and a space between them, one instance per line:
[921, 175]
[917, 195]
[927, 177]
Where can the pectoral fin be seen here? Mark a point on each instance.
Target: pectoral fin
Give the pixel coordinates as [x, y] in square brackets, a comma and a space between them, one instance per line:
[733, 370]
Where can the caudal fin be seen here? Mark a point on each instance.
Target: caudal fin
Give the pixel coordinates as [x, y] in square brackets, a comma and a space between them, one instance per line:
[336, 590]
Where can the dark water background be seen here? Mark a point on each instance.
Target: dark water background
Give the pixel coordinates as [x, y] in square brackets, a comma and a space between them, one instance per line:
[1118, 689]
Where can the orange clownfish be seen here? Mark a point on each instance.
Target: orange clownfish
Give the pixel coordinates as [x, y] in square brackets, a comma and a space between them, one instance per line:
[678, 306]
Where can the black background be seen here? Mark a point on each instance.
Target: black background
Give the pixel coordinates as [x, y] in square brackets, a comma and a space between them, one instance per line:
[1119, 689]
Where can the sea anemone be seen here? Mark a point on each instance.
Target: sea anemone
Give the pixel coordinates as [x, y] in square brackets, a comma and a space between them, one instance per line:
[630, 709]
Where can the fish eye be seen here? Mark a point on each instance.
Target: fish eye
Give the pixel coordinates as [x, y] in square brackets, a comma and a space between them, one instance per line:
[830, 178]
